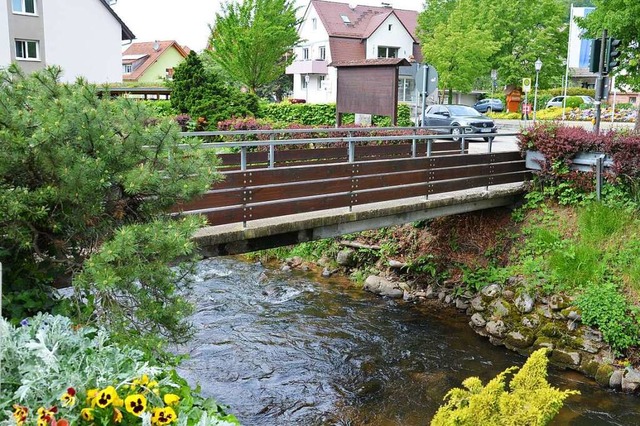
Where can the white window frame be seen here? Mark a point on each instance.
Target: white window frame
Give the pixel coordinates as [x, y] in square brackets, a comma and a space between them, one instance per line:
[25, 49]
[23, 8]
[321, 79]
[386, 51]
[305, 53]
[127, 68]
[305, 83]
[322, 53]
[314, 23]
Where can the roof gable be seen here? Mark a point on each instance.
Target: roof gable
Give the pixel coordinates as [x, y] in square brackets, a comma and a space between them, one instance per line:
[360, 21]
[148, 49]
[127, 34]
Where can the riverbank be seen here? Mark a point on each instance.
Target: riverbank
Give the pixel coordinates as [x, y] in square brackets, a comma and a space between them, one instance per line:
[461, 261]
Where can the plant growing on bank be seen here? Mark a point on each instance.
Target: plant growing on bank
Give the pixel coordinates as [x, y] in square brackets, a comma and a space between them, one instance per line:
[530, 399]
[89, 178]
[53, 371]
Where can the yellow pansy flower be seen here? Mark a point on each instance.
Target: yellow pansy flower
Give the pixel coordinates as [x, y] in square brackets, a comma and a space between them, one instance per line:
[163, 416]
[171, 399]
[106, 397]
[135, 404]
[87, 414]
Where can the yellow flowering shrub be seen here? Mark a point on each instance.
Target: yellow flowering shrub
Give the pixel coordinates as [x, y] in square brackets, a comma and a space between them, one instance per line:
[530, 401]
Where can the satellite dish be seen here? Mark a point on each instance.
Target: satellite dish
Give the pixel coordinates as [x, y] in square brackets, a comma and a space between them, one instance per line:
[352, 6]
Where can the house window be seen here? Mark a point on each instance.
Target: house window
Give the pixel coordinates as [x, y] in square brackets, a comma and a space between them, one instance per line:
[305, 81]
[387, 52]
[632, 99]
[323, 53]
[305, 53]
[27, 50]
[314, 23]
[169, 73]
[390, 26]
[24, 6]
[321, 82]
[126, 68]
[406, 89]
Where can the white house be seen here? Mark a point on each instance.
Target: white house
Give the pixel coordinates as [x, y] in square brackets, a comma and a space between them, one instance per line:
[84, 37]
[334, 31]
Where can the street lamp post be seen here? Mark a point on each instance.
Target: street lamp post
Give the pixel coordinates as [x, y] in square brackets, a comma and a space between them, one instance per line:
[538, 65]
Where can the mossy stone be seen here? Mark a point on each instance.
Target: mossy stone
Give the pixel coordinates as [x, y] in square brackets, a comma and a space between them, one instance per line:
[603, 374]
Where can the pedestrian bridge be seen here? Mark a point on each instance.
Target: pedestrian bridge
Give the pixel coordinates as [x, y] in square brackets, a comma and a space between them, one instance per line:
[284, 188]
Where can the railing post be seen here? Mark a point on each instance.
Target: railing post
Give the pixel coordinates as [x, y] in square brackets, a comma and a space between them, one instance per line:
[599, 173]
[243, 158]
[414, 148]
[462, 142]
[429, 141]
[352, 148]
[351, 151]
[272, 152]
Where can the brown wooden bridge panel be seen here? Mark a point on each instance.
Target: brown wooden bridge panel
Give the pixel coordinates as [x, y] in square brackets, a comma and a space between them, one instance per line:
[262, 193]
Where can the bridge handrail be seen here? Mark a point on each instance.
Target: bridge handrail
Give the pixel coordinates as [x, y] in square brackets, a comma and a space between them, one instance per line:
[309, 130]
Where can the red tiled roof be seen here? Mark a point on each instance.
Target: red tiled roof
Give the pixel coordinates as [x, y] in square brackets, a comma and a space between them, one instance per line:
[363, 20]
[146, 48]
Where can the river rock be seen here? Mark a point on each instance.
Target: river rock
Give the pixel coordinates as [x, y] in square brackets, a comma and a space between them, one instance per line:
[499, 308]
[557, 302]
[477, 304]
[448, 299]
[496, 328]
[491, 290]
[524, 303]
[396, 264]
[441, 296]
[572, 325]
[518, 340]
[508, 295]
[382, 287]
[346, 257]
[574, 316]
[531, 321]
[462, 304]
[326, 272]
[630, 380]
[564, 357]
[429, 293]
[615, 381]
[477, 320]
[285, 268]
[603, 375]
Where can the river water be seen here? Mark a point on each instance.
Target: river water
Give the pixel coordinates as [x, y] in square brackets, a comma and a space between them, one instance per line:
[282, 349]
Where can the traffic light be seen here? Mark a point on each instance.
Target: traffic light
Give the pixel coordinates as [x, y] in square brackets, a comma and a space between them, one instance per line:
[594, 59]
[613, 53]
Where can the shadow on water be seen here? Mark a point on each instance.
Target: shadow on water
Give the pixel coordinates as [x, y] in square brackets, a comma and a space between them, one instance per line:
[281, 349]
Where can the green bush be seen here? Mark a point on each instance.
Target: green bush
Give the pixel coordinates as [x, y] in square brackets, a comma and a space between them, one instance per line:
[530, 400]
[574, 102]
[80, 178]
[160, 108]
[202, 94]
[285, 113]
[605, 307]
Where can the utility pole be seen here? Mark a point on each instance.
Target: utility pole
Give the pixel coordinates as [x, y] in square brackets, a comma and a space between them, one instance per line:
[600, 81]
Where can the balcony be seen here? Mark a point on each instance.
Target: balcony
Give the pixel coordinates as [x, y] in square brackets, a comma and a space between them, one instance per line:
[317, 66]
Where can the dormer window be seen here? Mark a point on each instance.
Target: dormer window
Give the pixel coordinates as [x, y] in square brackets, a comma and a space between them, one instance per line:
[126, 68]
[25, 7]
[345, 19]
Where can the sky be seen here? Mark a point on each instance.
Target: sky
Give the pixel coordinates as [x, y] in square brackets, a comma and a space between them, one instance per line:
[187, 21]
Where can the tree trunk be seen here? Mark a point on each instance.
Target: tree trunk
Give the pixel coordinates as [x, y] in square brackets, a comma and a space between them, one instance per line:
[450, 100]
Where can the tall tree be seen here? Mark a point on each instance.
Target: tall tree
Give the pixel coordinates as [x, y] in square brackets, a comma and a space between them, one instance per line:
[455, 43]
[622, 20]
[507, 35]
[250, 39]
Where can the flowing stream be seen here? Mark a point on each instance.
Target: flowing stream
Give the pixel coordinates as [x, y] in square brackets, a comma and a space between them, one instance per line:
[282, 349]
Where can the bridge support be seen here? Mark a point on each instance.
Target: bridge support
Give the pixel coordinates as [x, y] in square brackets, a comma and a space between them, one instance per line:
[276, 232]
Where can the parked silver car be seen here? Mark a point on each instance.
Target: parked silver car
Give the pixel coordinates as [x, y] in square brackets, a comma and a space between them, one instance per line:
[558, 101]
[488, 105]
[458, 120]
